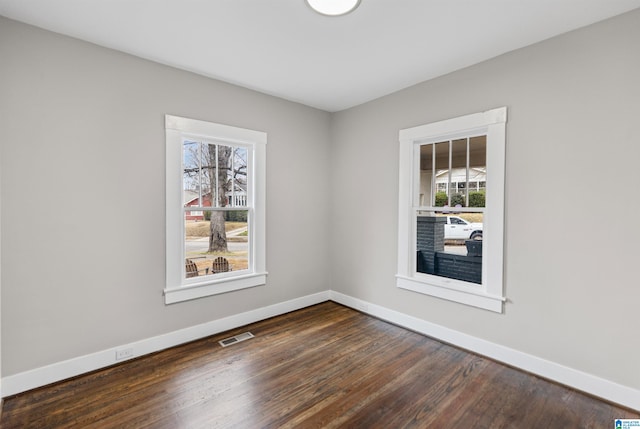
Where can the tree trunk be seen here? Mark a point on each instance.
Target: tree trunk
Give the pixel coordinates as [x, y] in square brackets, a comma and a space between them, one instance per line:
[217, 233]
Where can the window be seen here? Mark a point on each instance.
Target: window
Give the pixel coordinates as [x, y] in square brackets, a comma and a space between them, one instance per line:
[215, 185]
[457, 221]
[451, 209]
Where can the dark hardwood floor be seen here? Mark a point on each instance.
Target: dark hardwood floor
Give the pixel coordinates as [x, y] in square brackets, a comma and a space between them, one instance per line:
[325, 366]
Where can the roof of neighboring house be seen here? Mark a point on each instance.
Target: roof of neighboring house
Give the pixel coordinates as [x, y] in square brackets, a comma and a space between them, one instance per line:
[476, 174]
[189, 196]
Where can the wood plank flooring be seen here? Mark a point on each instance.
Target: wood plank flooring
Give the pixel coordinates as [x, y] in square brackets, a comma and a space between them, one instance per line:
[325, 366]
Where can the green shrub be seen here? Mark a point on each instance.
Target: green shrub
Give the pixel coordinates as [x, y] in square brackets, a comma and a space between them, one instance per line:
[236, 216]
[441, 199]
[230, 216]
[476, 199]
[457, 199]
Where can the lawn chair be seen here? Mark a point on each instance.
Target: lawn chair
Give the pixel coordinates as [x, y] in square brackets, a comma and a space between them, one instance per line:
[191, 269]
[220, 265]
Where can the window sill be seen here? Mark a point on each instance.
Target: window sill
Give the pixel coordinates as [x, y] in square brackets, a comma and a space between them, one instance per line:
[474, 298]
[213, 287]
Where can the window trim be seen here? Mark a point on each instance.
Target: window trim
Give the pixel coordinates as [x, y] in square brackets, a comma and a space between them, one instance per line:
[177, 288]
[488, 295]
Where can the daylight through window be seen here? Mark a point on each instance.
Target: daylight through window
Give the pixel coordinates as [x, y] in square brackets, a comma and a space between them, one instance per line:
[215, 208]
[450, 245]
[451, 209]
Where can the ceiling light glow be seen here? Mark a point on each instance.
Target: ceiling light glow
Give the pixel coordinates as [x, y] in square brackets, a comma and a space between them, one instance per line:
[333, 7]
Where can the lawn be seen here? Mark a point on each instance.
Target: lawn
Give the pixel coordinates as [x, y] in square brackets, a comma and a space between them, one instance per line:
[201, 228]
[237, 260]
[469, 217]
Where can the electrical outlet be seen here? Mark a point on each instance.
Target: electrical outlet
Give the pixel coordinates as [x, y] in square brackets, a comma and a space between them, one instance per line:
[362, 306]
[124, 353]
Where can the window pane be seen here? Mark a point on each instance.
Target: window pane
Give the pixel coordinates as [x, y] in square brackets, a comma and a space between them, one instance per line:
[224, 175]
[191, 173]
[442, 174]
[238, 178]
[459, 173]
[426, 175]
[216, 243]
[209, 175]
[478, 170]
[450, 246]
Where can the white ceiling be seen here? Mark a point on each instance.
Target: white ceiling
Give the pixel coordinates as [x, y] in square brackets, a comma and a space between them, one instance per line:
[281, 47]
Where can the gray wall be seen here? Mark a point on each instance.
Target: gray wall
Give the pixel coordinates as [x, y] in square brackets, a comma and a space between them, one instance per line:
[83, 196]
[82, 173]
[572, 180]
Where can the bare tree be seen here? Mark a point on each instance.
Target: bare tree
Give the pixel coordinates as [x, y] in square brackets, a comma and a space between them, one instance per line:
[219, 181]
[215, 172]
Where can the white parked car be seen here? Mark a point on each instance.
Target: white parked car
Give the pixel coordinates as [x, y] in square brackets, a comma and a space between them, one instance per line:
[457, 228]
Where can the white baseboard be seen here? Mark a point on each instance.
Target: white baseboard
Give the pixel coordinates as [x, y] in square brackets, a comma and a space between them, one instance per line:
[42, 376]
[608, 390]
[596, 386]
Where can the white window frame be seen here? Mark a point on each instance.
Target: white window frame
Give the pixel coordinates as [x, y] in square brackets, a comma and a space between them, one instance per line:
[489, 294]
[178, 287]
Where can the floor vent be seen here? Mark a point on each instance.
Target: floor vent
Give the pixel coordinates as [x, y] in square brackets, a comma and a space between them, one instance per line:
[236, 339]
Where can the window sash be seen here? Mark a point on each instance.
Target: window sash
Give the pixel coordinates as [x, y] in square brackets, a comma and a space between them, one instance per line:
[214, 196]
[178, 288]
[488, 295]
[186, 281]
